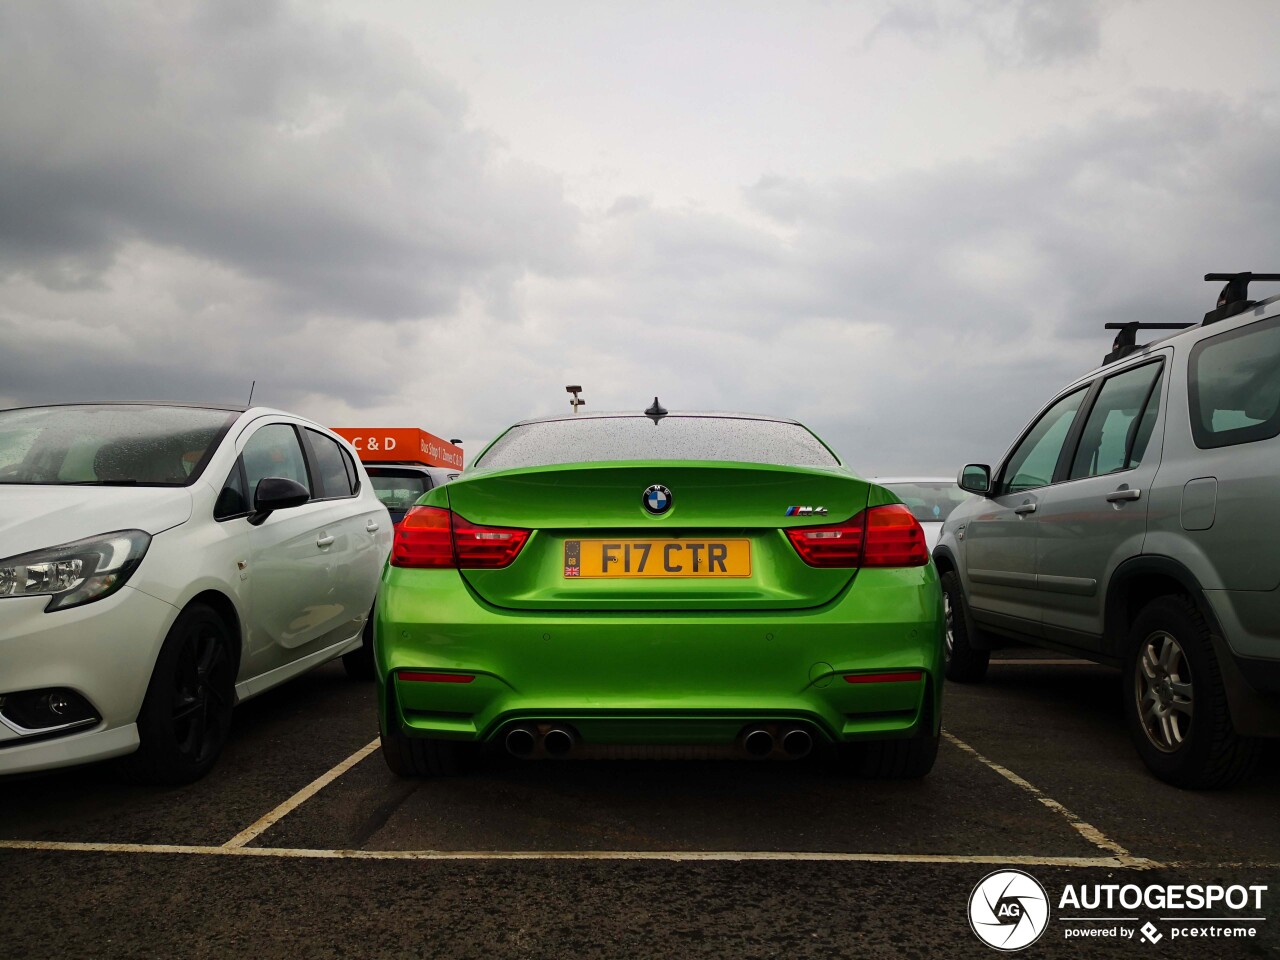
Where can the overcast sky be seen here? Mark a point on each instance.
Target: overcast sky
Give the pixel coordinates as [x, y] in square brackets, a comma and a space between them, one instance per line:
[903, 223]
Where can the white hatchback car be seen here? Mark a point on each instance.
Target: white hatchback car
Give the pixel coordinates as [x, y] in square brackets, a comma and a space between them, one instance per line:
[158, 564]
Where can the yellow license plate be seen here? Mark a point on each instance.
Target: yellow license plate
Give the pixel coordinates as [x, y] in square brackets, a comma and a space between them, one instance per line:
[657, 558]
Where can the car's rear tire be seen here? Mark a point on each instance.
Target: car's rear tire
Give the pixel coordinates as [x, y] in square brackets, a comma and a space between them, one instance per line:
[964, 663]
[908, 759]
[1175, 702]
[408, 756]
[186, 713]
[359, 662]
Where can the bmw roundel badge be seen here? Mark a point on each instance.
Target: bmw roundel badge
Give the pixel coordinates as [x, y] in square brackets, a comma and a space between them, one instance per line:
[656, 499]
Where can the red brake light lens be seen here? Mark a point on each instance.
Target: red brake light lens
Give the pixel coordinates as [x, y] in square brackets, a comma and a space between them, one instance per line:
[433, 537]
[894, 538]
[838, 545]
[487, 547]
[885, 536]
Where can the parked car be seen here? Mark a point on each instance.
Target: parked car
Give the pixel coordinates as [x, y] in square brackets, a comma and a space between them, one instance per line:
[163, 562]
[930, 500]
[400, 485]
[1134, 522]
[714, 583]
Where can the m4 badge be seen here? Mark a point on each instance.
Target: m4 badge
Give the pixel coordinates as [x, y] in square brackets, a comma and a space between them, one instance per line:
[806, 511]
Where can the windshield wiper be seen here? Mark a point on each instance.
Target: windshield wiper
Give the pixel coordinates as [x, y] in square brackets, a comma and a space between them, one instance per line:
[101, 483]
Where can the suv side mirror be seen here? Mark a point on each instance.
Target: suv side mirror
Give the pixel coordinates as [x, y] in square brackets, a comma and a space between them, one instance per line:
[975, 478]
[276, 493]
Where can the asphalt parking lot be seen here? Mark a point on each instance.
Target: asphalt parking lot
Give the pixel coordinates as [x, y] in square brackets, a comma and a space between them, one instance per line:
[302, 843]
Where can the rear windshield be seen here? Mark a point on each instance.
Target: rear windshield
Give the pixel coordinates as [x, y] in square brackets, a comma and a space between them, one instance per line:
[398, 489]
[672, 437]
[109, 445]
[929, 500]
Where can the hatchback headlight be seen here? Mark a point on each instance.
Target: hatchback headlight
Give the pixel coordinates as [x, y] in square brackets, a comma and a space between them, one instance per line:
[75, 573]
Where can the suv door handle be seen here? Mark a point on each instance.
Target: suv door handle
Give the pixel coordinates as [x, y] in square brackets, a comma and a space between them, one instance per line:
[372, 526]
[323, 541]
[1124, 493]
[1023, 509]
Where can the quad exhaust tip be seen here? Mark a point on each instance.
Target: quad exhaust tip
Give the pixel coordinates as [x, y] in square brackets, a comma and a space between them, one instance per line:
[521, 742]
[758, 742]
[558, 742]
[797, 743]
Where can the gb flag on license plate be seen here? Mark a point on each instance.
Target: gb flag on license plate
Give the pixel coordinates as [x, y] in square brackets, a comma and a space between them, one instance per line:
[572, 558]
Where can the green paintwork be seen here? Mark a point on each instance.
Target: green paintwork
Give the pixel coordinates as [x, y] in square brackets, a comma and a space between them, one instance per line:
[589, 500]
[661, 661]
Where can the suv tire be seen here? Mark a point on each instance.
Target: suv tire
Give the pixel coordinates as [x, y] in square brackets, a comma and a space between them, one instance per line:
[964, 664]
[1175, 703]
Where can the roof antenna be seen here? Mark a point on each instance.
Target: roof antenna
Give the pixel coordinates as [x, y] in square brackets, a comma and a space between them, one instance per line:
[656, 412]
[251, 388]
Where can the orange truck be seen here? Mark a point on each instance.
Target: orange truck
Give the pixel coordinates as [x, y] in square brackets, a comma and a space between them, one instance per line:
[403, 463]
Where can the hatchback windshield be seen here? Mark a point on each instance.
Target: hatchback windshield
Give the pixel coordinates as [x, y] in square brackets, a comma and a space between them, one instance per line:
[929, 499]
[109, 444]
[674, 437]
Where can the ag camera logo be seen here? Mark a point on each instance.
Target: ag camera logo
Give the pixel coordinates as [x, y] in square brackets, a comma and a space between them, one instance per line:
[1008, 910]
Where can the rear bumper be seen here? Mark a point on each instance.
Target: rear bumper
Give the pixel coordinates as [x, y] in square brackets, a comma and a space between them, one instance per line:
[623, 677]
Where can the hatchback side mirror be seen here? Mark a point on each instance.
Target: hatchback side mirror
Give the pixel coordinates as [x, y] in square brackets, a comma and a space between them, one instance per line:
[276, 493]
[975, 478]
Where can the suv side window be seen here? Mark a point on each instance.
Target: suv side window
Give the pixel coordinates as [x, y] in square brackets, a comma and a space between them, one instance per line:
[333, 472]
[274, 452]
[1234, 384]
[1119, 427]
[1034, 461]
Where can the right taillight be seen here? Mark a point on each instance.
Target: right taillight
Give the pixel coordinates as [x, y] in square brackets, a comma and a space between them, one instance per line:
[433, 537]
[894, 538]
[885, 536]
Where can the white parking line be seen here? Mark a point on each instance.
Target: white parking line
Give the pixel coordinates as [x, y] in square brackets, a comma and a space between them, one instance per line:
[678, 856]
[1085, 829]
[1043, 663]
[298, 799]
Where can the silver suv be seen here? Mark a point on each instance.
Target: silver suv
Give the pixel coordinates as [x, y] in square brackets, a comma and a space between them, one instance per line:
[1136, 522]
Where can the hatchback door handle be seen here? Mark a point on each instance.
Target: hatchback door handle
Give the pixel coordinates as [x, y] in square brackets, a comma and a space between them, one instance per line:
[372, 526]
[1023, 509]
[1124, 493]
[323, 541]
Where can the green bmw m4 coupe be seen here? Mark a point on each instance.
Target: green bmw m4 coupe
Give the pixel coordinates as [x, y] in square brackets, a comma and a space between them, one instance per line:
[660, 584]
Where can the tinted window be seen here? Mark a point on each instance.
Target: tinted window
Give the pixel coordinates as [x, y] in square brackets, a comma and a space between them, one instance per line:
[673, 437]
[928, 500]
[274, 452]
[1119, 427]
[1036, 458]
[398, 489]
[1234, 382]
[122, 444]
[332, 476]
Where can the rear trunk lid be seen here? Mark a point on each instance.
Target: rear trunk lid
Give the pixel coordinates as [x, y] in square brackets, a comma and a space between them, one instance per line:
[719, 545]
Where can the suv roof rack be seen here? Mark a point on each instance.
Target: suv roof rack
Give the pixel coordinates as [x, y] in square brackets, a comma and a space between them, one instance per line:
[1126, 342]
[1234, 297]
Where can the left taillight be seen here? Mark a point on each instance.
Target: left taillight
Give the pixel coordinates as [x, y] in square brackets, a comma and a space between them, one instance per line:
[433, 537]
[884, 536]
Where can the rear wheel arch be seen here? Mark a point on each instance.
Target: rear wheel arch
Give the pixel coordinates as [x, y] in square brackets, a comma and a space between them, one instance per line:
[1135, 584]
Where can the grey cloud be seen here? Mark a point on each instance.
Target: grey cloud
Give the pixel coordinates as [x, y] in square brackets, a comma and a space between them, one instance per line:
[1015, 33]
[320, 157]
